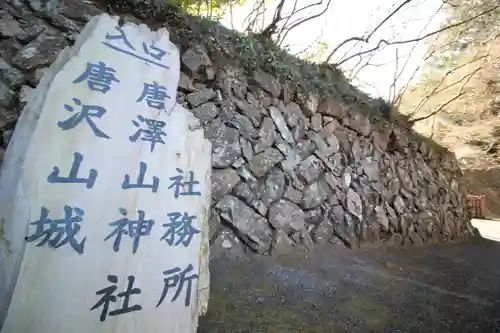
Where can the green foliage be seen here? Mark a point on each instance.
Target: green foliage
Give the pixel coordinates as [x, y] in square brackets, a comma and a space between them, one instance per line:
[258, 52]
[254, 51]
[316, 52]
[214, 9]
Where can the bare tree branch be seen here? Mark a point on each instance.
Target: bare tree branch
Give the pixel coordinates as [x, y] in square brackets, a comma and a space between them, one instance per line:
[433, 128]
[231, 16]
[357, 42]
[459, 94]
[385, 63]
[252, 17]
[410, 54]
[294, 12]
[271, 28]
[398, 98]
[436, 89]
[281, 24]
[449, 4]
[385, 42]
[304, 20]
[402, 91]
[310, 45]
[346, 53]
[358, 67]
[425, 58]
[392, 90]
[455, 68]
[367, 38]
[263, 16]
[371, 85]
[287, 18]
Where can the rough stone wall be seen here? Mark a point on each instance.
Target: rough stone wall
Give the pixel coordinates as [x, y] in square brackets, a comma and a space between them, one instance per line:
[290, 168]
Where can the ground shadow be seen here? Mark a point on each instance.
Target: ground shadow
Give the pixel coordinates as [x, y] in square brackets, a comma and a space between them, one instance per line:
[431, 288]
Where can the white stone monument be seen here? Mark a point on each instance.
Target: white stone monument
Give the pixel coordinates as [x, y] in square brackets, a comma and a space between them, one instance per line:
[105, 194]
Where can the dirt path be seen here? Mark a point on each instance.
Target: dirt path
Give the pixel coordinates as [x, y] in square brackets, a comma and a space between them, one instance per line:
[434, 288]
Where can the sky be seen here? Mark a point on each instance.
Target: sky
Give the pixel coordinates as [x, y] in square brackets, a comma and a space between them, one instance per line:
[348, 18]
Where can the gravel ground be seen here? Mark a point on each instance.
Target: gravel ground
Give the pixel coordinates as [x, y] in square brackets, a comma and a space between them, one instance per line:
[432, 288]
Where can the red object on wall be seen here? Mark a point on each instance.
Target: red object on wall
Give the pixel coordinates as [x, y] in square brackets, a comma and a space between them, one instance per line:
[477, 206]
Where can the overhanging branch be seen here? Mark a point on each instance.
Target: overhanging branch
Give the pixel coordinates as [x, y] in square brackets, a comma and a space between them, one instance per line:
[367, 38]
[385, 42]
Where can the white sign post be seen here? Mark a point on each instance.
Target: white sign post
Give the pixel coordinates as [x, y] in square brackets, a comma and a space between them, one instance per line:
[113, 197]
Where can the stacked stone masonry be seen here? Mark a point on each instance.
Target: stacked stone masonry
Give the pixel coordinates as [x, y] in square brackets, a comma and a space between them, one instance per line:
[290, 169]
